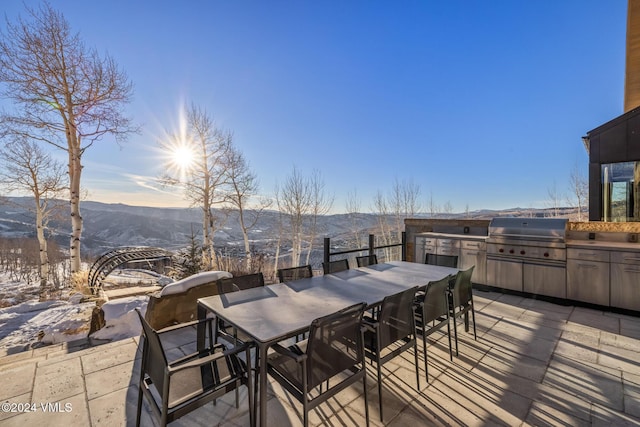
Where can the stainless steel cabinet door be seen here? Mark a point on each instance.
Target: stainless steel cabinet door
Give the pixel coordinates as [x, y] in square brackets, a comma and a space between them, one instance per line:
[625, 286]
[504, 274]
[477, 258]
[544, 279]
[419, 250]
[588, 281]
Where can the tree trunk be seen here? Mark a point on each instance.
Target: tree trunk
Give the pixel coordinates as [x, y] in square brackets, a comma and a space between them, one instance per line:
[44, 257]
[276, 258]
[75, 170]
[245, 238]
[207, 221]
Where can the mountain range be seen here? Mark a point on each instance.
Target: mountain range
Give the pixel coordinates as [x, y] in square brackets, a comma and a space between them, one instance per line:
[107, 226]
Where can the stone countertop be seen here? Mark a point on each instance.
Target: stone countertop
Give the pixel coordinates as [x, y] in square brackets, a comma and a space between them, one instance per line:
[603, 245]
[452, 236]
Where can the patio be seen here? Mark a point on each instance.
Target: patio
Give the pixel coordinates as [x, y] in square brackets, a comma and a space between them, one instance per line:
[535, 363]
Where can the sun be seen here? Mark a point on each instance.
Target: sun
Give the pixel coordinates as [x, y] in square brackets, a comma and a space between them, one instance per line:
[183, 157]
[179, 159]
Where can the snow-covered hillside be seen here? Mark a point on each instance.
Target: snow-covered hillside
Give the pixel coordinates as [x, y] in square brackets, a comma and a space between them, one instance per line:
[26, 322]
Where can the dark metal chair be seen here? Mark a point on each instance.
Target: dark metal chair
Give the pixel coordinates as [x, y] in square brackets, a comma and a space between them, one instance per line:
[396, 328]
[442, 260]
[366, 260]
[240, 283]
[192, 381]
[461, 302]
[432, 314]
[235, 284]
[335, 266]
[294, 273]
[334, 347]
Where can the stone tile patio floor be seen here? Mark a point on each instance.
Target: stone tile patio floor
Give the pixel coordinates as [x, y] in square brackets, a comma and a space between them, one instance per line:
[534, 363]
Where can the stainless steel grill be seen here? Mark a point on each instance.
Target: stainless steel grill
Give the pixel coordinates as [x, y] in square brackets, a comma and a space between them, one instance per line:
[528, 254]
[528, 231]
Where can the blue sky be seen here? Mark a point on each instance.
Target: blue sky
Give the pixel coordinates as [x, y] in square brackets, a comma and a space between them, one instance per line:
[482, 104]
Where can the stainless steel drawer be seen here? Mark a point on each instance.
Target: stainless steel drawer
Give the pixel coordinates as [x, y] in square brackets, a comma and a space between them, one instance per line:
[428, 241]
[448, 251]
[588, 254]
[473, 244]
[626, 257]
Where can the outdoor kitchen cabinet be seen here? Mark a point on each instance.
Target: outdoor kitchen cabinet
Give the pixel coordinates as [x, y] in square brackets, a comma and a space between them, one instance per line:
[545, 279]
[625, 280]
[588, 276]
[444, 251]
[505, 274]
[474, 253]
[424, 245]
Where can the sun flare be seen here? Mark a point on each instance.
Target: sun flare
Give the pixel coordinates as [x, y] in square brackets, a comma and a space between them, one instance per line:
[183, 157]
[179, 159]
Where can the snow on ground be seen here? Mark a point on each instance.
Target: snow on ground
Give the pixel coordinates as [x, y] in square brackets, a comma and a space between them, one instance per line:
[47, 322]
[26, 322]
[121, 320]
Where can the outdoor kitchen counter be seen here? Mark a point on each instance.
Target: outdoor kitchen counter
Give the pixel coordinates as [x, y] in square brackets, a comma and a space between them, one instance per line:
[604, 245]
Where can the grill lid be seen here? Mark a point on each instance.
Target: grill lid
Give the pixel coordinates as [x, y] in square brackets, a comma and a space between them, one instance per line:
[546, 229]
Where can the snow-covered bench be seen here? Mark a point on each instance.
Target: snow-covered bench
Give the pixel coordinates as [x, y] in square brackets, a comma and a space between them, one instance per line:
[177, 301]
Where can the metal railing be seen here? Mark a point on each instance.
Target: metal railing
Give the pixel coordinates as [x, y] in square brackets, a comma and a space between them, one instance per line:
[370, 249]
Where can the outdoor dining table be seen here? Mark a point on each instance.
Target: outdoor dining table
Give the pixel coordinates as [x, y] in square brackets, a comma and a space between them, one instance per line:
[273, 313]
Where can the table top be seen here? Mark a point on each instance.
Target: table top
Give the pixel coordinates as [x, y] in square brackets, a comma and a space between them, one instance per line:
[272, 313]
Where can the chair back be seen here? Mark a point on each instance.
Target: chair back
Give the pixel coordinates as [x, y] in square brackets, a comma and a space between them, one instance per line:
[335, 344]
[154, 361]
[436, 302]
[240, 283]
[294, 273]
[366, 260]
[441, 260]
[396, 318]
[462, 287]
[335, 266]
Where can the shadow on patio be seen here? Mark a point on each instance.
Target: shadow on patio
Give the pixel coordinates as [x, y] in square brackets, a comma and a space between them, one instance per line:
[534, 363]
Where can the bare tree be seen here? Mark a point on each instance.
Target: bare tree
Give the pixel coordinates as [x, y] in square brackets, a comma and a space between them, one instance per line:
[320, 204]
[433, 207]
[404, 202]
[204, 179]
[553, 200]
[64, 94]
[295, 200]
[579, 189]
[381, 207]
[26, 168]
[447, 209]
[353, 211]
[243, 185]
[280, 223]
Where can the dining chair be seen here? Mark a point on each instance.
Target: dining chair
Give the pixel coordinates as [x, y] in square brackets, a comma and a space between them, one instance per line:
[335, 266]
[461, 302]
[235, 284]
[334, 349]
[240, 283]
[394, 329]
[366, 260]
[174, 389]
[432, 314]
[441, 260]
[294, 273]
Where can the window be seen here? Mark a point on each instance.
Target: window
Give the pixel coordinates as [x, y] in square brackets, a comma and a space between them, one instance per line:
[620, 191]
